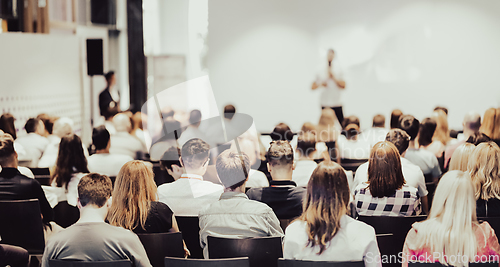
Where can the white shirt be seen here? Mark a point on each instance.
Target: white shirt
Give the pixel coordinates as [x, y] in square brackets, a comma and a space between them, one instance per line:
[424, 159]
[256, 178]
[331, 94]
[353, 149]
[107, 164]
[189, 194]
[373, 135]
[56, 194]
[303, 171]
[126, 144]
[49, 157]
[35, 145]
[411, 172]
[354, 241]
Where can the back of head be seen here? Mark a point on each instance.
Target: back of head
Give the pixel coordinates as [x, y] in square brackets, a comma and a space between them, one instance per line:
[385, 175]
[48, 121]
[326, 201]
[306, 144]
[426, 132]
[489, 119]
[94, 189]
[170, 157]
[484, 169]
[352, 130]
[399, 138]
[195, 153]
[32, 125]
[6, 148]
[460, 158]
[133, 193]
[100, 137]
[443, 109]
[472, 122]
[442, 133]
[7, 124]
[70, 159]
[122, 123]
[229, 111]
[326, 125]
[63, 126]
[308, 127]
[108, 76]
[350, 120]
[449, 228]
[478, 138]
[379, 121]
[410, 125]
[137, 120]
[280, 154]
[395, 115]
[282, 132]
[232, 168]
[195, 117]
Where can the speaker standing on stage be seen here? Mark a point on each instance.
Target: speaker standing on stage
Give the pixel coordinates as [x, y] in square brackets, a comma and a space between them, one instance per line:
[332, 83]
[109, 98]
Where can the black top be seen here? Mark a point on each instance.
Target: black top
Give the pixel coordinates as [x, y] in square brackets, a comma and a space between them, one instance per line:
[488, 208]
[106, 108]
[159, 219]
[284, 197]
[15, 186]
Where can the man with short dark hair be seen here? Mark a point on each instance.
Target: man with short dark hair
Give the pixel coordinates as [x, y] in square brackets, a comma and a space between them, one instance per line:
[282, 195]
[282, 132]
[190, 193]
[102, 161]
[34, 142]
[234, 215]
[377, 133]
[14, 185]
[91, 238]
[170, 162]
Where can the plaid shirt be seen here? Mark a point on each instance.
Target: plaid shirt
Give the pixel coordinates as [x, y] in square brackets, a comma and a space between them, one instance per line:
[404, 202]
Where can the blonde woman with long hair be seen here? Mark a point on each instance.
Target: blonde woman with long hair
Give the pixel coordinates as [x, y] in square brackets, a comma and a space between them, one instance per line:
[484, 169]
[135, 206]
[451, 234]
[461, 157]
[324, 231]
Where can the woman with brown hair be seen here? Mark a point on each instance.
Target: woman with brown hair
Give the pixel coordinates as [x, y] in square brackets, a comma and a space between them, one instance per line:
[324, 231]
[491, 124]
[386, 192]
[426, 135]
[135, 206]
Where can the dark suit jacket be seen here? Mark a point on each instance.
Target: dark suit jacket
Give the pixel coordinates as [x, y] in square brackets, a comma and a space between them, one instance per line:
[15, 186]
[104, 104]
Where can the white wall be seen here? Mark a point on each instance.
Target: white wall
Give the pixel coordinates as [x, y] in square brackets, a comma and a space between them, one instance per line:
[413, 55]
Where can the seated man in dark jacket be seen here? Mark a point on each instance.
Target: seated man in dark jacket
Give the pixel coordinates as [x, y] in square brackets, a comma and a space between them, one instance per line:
[283, 195]
[14, 185]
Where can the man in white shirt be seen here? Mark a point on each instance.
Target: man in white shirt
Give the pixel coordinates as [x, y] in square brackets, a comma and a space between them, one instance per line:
[123, 142]
[34, 142]
[190, 193]
[330, 80]
[102, 161]
[411, 172]
[377, 133]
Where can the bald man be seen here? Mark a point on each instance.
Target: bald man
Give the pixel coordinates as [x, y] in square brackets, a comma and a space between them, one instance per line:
[471, 125]
[123, 142]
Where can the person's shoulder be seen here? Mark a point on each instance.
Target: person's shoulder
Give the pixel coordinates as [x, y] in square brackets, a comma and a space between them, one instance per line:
[412, 190]
[159, 206]
[295, 227]
[255, 193]
[259, 207]
[361, 227]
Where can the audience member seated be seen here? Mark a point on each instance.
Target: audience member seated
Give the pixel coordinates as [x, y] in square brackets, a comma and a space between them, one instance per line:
[167, 140]
[424, 159]
[328, 126]
[23, 170]
[491, 124]
[324, 231]
[377, 133]
[48, 122]
[135, 206]
[461, 157]
[171, 164]
[442, 133]
[351, 146]
[471, 125]
[138, 128]
[478, 138]
[13, 256]
[451, 233]
[412, 174]
[484, 169]
[62, 127]
[305, 164]
[283, 195]
[190, 193]
[282, 132]
[34, 142]
[193, 130]
[14, 185]
[234, 215]
[385, 193]
[90, 238]
[395, 115]
[425, 138]
[102, 161]
[7, 126]
[123, 142]
[71, 165]
[250, 147]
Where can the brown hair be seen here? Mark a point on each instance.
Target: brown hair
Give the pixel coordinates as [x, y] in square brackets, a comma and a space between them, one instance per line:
[491, 123]
[306, 144]
[194, 153]
[7, 124]
[134, 191]
[280, 153]
[379, 121]
[442, 133]
[384, 170]
[94, 189]
[6, 147]
[395, 115]
[70, 159]
[326, 201]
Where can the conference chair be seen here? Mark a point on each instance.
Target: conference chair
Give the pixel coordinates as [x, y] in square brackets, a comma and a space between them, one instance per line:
[190, 229]
[67, 263]
[66, 215]
[21, 225]
[42, 175]
[232, 262]
[437, 264]
[261, 251]
[352, 164]
[301, 263]
[160, 245]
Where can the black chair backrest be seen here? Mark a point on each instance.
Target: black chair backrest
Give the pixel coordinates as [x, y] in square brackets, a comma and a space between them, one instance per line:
[436, 264]
[21, 224]
[40, 171]
[160, 245]
[43, 179]
[352, 164]
[261, 251]
[179, 262]
[66, 215]
[493, 221]
[161, 176]
[190, 229]
[64, 263]
[300, 263]
[113, 179]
